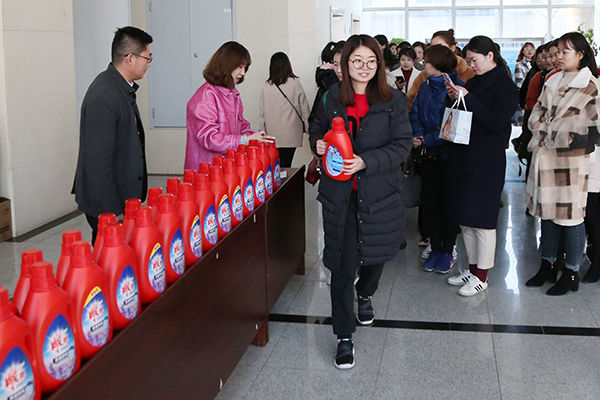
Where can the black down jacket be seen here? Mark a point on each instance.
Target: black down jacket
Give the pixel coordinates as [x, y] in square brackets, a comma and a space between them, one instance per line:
[383, 141]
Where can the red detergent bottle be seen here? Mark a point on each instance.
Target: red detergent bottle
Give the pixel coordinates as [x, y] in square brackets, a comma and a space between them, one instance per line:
[258, 177]
[169, 225]
[48, 311]
[218, 161]
[274, 153]
[131, 207]
[118, 262]
[28, 258]
[191, 229]
[17, 367]
[188, 176]
[204, 168]
[153, 194]
[245, 174]
[103, 220]
[253, 143]
[68, 238]
[206, 212]
[145, 242]
[339, 149]
[173, 186]
[86, 285]
[242, 148]
[268, 170]
[230, 155]
[231, 178]
[220, 190]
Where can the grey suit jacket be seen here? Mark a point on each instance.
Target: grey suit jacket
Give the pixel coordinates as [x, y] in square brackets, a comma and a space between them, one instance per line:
[111, 166]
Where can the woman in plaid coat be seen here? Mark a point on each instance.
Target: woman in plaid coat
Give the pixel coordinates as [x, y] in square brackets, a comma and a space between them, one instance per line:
[557, 186]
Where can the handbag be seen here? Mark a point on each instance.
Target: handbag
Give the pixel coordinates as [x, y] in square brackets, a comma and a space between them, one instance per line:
[312, 173]
[297, 113]
[411, 183]
[456, 124]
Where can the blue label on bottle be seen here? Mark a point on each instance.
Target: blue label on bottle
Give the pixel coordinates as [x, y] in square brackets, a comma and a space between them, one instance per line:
[249, 195]
[156, 269]
[196, 237]
[269, 180]
[237, 204]
[128, 300]
[277, 173]
[177, 253]
[210, 225]
[59, 349]
[94, 319]
[224, 214]
[259, 190]
[334, 161]
[17, 376]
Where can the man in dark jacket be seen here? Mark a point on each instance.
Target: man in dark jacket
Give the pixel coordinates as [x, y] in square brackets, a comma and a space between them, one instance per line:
[111, 167]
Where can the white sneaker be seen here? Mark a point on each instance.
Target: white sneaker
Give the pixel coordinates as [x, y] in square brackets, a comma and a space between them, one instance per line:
[454, 253]
[426, 252]
[461, 279]
[473, 287]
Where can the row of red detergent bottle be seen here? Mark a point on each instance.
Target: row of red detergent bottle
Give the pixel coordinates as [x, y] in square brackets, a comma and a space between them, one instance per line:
[51, 315]
[18, 367]
[187, 209]
[207, 212]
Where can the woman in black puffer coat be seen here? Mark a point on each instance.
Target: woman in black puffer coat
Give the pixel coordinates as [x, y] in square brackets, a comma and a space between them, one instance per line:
[363, 217]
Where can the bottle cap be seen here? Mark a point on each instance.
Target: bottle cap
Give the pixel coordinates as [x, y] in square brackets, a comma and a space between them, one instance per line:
[185, 191]
[28, 258]
[153, 194]
[5, 307]
[114, 235]
[216, 174]
[173, 186]
[262, 148]
[253, 143]
[201, 182]
[252, 153]
[143, 217]
[338, 124]
[203, 168]
[188, 175]
[68, 238]
[131, 206]
[166, 203]
[242, 148]
[218, 161]
[230, 155]
[81, 254]
[228, 166]
[241, 160]
[105, 219]
[42, 277]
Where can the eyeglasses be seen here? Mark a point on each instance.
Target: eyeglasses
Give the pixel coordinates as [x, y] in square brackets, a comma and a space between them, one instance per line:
[358, 64]
[149, 59]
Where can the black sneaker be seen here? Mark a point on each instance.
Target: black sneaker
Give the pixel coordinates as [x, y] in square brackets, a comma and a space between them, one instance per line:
[344, 358]
[365, 315]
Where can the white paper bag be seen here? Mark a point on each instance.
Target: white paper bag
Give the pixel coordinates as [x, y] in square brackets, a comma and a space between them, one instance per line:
[456, 124]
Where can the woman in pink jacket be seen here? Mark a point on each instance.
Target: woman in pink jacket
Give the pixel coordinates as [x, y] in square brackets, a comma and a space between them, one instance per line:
[215, 116]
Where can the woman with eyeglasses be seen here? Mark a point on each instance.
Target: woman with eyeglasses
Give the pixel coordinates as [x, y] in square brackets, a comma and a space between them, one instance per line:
[557, 189]
[363, 217]
[476, 171]
[215, 115]
[524, 64]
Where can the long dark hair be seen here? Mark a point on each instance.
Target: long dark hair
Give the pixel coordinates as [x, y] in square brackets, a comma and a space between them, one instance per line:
[483, 45]
[578, 42]
[280, 69]
[377, 89]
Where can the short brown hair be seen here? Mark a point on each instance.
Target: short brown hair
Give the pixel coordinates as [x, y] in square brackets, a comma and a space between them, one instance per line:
[448, 37]
[377, 89]
[441, 57]
[230, 56]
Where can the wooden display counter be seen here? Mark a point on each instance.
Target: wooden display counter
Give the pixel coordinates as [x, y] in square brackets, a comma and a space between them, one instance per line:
[186, 344]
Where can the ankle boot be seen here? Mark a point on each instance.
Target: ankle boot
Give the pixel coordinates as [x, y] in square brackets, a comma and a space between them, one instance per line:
[557, 266]
[569, 280]
[593, 274]
[542, 275]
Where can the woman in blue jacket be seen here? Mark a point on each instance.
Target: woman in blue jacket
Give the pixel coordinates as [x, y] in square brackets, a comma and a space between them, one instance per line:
[425, 119]
[363, 218]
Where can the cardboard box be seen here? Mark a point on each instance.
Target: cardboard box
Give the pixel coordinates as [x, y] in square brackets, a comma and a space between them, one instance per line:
[5, 219]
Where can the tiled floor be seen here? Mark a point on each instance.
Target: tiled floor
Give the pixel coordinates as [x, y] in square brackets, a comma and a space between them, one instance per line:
[429, 352]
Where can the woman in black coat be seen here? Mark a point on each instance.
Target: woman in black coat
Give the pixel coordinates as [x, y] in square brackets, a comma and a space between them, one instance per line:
[363, 217]
[476, 171]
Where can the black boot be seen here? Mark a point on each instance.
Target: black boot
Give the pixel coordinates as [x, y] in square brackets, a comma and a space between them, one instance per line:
[569, 280]
[557, 266]
[593, 274]
[542, 275]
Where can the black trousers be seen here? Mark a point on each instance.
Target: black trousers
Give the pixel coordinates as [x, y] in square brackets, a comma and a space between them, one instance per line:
[286, 155]
[342, 283]
[442, 232]
[592, 226]
[93, 221]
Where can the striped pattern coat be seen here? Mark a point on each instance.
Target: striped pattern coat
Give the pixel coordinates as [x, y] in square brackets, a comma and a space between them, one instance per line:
[558, 177]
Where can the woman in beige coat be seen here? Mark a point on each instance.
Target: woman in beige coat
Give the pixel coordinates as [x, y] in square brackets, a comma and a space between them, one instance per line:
[284, 109]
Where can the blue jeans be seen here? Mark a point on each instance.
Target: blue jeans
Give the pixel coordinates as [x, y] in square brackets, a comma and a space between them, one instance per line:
[574, 240]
